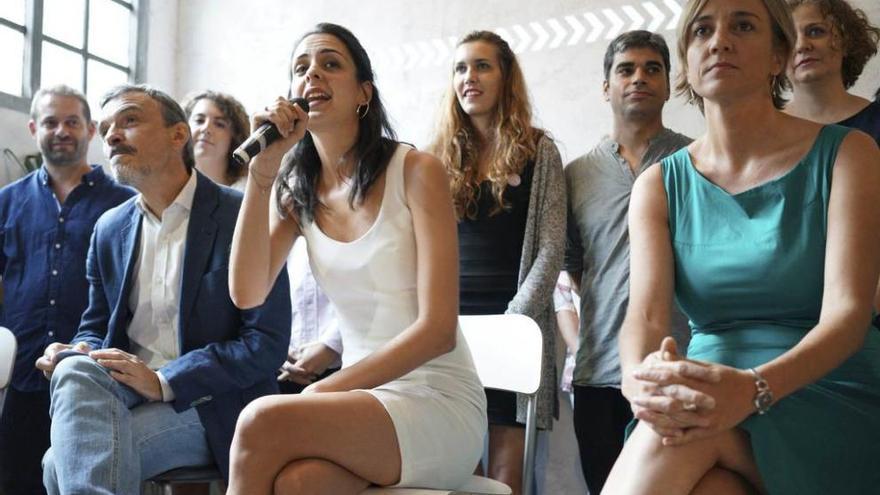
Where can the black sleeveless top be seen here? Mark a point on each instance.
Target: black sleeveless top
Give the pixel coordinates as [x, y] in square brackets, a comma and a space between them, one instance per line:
[490, 248]
[867, 120]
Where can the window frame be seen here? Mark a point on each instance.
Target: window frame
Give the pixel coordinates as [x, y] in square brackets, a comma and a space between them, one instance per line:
[33, 47]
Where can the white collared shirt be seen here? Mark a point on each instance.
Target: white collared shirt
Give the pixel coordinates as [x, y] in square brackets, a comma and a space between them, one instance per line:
[314, 319]
[155, 295]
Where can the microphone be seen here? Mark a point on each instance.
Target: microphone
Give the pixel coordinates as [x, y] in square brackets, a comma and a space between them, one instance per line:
[265, 135]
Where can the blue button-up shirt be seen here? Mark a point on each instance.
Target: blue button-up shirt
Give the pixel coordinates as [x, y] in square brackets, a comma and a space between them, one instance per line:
[43, 262]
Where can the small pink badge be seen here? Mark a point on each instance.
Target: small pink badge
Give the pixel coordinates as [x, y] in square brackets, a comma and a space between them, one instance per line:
[514, 180]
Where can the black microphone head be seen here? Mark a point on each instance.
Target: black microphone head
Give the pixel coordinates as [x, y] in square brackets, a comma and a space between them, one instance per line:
[302, 102]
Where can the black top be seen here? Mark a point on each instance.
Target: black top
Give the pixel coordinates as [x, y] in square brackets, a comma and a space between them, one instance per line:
[490, 248]
[867, 120]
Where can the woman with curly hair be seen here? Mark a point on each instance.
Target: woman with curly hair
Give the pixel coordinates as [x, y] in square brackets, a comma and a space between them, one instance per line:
[509, 196]
[219, 125]
[834, 43]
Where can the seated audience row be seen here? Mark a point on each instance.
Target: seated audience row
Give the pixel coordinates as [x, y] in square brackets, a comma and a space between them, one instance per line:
[183, 318]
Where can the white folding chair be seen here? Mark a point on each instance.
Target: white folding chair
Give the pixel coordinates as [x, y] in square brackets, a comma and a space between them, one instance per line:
[507, 354]
[7, 360]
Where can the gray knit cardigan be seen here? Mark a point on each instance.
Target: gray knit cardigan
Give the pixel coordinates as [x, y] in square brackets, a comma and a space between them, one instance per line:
[542, 255]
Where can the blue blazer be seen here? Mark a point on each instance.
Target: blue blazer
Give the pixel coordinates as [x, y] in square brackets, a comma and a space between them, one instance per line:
[228, 356]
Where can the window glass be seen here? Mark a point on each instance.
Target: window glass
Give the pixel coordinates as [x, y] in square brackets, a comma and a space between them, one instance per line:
[102, 77]
[63, 20]
[61, 66]
[109, 27]
[11, 60]
[13, 10]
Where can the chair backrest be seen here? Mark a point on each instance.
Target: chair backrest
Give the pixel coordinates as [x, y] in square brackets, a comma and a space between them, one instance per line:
[507, 351]
[7, 356]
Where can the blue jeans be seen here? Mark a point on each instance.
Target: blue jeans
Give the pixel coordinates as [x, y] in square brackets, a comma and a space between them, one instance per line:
[106, 439]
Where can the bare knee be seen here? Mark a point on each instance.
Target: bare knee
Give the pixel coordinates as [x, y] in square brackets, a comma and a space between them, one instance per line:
[256, 424]
[720, 481]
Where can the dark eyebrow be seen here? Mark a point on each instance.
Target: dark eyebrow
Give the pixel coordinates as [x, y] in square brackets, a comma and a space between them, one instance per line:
[321, 52]
[628, 65]
[125, 108]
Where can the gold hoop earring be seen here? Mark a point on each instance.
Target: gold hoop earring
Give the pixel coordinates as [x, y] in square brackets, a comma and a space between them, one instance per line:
[362, 110]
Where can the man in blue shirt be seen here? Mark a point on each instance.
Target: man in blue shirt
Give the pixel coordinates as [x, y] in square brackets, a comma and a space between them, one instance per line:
[46, 219]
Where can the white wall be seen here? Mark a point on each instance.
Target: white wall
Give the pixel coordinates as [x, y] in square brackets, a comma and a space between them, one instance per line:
[402, 37]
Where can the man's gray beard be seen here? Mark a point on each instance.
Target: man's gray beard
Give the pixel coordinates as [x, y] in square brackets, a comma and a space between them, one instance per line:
[127, 176]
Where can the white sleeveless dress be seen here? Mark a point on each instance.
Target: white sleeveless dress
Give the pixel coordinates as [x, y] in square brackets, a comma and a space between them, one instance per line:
[438, 409]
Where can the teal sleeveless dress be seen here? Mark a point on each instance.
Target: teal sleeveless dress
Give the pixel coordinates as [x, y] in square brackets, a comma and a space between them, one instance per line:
[749, 274]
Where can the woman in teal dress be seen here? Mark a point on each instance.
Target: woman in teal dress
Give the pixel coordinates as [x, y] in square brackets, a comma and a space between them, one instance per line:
[766, 231]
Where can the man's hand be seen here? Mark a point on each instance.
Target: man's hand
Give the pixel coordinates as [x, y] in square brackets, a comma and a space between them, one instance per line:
[306, 363]
[674, 403]
[130, 370]
[47, 361]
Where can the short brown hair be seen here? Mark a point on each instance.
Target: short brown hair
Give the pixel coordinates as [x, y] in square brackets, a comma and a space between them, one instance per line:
[784, 38]
[60, 90]
[233, 111]
[860, 38]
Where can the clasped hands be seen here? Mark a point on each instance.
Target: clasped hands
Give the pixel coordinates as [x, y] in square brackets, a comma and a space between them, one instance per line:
[305, 363]
[684, 400]
[125, 368]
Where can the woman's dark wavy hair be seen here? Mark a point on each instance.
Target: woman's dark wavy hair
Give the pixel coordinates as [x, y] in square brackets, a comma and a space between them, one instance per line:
[297, 188]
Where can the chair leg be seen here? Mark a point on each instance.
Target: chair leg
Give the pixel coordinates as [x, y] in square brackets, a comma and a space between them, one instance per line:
[531, 437]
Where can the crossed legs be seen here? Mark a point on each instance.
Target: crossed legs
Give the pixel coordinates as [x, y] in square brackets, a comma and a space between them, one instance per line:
[720, 465]
[334, 443]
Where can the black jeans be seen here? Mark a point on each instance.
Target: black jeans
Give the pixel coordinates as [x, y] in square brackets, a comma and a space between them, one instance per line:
[601, 415]
[24, 438]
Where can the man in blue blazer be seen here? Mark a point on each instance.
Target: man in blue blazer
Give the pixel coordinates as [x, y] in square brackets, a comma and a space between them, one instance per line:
[163, 361]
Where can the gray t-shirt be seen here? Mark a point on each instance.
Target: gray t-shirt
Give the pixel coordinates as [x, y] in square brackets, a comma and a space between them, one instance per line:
[599, 187]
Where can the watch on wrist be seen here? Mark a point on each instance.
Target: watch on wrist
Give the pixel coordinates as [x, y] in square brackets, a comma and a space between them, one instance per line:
[763, 396]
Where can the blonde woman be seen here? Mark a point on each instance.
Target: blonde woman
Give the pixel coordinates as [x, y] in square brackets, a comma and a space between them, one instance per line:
[509, 196]
[774, 260]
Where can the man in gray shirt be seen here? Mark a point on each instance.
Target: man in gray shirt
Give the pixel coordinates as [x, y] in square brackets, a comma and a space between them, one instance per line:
[597, 255]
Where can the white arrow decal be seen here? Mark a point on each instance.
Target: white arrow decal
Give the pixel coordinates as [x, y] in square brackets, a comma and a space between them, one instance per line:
[505, 34]
[633, 14]
[656, 14]
[676, 13]
[559, 30]
[542, 35]
[577, 27]
[597, 26]
[616, 23]
[442, 51]
[524, 38]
